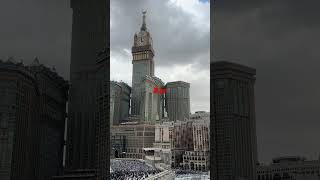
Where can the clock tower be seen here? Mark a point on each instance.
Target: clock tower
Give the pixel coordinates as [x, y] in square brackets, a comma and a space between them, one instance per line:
[143, 64]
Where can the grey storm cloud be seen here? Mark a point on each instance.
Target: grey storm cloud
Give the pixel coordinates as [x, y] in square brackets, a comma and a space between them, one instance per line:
[36, 28]
[280, 39]
[176, 39]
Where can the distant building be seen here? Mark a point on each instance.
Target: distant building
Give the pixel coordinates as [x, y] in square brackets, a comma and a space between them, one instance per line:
[128, 139]
[233, 141]
[143, 64]
[32, 120]
[178, 100]
[197, 158]
[163, 135]
[291, 168]
[125, 100]
[186, 141]
[119, 102]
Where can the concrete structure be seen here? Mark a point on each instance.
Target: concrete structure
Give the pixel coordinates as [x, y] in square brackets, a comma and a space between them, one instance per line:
[32, 119]
[119, 102]
[197, 158]
[181, 141]
[125, 100]
[233, 128]
[103, 114]
[143, 64]
[128, 139]
[163, 135]
[187, 141]
[115, 101]
[87, 42]
[290, 167]
[178, 100]
[145, 103]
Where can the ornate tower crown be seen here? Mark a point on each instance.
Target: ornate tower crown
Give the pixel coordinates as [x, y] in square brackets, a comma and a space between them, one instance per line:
[143, 38]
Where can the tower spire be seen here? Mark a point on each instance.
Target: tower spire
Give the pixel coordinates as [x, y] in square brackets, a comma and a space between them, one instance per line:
[144, 26]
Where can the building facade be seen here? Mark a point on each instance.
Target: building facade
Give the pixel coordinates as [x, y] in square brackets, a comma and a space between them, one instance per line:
[291, 168]
[129, 139]
[32, 120]
[146, 103]
[163, 135]
[143, 64]
[233, 126]
[87, 42]
[197, 158]
[119, 102]
[178, 100]
[115, 102]
[186, 141]
[103, 115]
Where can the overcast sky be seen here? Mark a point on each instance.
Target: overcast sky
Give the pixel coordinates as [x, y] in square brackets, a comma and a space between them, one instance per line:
[281, 40]
[36, 28]
[181, 38]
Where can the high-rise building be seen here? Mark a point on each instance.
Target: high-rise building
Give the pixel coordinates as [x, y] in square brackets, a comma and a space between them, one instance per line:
[89, 36]
[32, 120]
[143, 64]
[53, 91]
[233, 127]
[178, 100]
[119, 102]
[146, 103]
[103, 115]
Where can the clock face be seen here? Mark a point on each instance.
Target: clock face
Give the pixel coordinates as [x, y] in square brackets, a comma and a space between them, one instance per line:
[141, 39]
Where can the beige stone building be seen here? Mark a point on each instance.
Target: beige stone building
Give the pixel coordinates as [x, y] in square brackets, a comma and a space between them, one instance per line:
[128, 139]
[197, 158]
[188, 141]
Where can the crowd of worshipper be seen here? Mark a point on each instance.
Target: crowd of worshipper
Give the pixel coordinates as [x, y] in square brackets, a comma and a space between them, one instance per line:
[131, 170]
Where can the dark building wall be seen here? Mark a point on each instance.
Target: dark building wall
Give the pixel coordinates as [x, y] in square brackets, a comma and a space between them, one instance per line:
[103, 115]
[31, 141]
[53, 94]
[233, 125]
[89, 36]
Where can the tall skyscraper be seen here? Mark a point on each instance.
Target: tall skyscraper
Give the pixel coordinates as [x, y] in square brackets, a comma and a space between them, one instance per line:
[32, 119]
[233, 127]
[178, 100]
[103, 115]
[143, 64]
[89, 36]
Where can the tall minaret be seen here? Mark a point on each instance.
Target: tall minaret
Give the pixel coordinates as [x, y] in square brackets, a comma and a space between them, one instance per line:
[143, 64]
[89, 36]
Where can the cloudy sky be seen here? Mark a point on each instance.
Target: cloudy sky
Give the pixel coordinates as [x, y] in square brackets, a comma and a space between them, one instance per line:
[281, 40]
[181, 37]
[36, 28]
